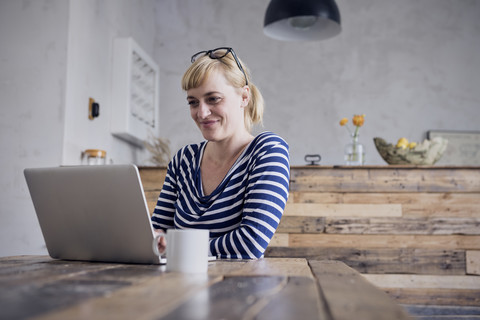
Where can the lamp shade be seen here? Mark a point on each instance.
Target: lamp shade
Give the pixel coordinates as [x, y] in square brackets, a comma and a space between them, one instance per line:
[297, 20]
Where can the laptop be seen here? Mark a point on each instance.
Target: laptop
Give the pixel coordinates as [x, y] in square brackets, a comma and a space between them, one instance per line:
[93, 213]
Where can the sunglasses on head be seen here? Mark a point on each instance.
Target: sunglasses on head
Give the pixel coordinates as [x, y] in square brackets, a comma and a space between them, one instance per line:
[219, 53]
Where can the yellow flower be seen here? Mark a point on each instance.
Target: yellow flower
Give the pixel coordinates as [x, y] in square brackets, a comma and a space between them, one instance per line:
[358, 120]
[412, 145]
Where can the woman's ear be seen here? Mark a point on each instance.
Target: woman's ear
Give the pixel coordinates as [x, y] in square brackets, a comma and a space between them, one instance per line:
[245, 96]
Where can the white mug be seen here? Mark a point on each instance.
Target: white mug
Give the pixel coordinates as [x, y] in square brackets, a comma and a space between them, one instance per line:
[187, 250]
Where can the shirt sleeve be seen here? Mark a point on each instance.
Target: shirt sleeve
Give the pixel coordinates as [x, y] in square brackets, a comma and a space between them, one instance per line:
[164, 211]
[265, 199]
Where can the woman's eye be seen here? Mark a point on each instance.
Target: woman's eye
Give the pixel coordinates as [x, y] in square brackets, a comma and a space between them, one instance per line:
[213, 100]
[193, 103]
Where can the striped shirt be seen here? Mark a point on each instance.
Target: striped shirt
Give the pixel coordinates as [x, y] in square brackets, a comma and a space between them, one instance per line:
[243, 212]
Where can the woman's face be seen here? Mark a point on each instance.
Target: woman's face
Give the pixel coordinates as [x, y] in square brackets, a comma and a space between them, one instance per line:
[218, 108]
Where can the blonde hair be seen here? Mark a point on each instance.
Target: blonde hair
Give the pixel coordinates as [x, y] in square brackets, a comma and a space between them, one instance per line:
[203, 67]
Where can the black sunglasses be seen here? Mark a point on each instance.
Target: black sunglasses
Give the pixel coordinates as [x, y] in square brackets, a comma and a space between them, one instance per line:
[219, 53]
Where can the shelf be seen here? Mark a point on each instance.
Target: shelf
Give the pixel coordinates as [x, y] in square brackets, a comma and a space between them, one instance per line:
[135, 80]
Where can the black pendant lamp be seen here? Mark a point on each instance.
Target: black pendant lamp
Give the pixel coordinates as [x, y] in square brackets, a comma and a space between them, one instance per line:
[302, 20]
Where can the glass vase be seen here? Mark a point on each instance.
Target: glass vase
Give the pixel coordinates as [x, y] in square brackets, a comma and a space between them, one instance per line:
[354, 152]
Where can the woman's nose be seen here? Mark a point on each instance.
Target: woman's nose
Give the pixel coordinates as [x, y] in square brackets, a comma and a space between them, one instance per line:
[203, 110]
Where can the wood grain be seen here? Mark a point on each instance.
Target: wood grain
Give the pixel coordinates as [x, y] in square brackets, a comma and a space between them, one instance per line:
[279, 240]
[289, 224]
[274, 288]
[399, 226]
[43, 287]
[152, 197]
[298, 300]
[353, 297]
[266, 297]
[437, 297]
[447, 242]
[148, 296]
[414, 204]
[473, 262]
[120, 291]
[273, 266]
[423, 281]
[343, 210]
[409, 260]
[413, 220]
[388, 179]
[152, 178]
[47, 271]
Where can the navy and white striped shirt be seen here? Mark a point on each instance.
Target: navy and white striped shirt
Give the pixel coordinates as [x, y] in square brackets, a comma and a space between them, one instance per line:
[243, 212]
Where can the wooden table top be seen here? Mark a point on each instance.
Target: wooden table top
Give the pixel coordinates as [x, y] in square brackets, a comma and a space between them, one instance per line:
[271, 288]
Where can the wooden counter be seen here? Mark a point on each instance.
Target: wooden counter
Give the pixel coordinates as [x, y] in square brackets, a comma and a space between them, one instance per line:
[271, 288]
[412, 230]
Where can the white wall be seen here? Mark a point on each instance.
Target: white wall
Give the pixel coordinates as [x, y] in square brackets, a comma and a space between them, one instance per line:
[54, 56]
[410, 66]
[93, 25]
[33, 57]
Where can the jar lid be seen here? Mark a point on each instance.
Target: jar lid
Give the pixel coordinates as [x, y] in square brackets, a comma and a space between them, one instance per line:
[98, 153]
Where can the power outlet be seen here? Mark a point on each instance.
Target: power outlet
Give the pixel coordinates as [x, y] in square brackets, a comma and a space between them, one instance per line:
[93, 109]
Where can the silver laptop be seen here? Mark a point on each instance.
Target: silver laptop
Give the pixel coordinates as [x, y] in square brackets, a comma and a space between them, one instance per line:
[93, 213]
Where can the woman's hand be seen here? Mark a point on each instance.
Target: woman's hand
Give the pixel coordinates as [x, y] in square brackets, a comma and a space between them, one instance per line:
[161, 241]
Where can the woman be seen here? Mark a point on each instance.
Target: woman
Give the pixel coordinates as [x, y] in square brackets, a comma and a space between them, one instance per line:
[233, 184]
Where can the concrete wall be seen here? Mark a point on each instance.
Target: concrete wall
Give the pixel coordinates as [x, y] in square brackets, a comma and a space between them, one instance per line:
[410, 66]
[54, 56]
[33, 58]
[93, 25]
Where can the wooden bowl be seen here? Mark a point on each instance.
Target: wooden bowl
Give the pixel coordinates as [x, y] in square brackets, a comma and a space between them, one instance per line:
[426, 153]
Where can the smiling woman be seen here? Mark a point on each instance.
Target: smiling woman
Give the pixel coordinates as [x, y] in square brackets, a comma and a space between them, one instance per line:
[211, 108]
[233, 184]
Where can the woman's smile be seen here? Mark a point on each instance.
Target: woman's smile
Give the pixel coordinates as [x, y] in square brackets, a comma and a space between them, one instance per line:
[208, 124]
[216, 108]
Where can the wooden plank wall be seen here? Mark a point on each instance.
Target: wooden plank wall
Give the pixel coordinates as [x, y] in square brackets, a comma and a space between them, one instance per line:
[152, 181]
[413, 231]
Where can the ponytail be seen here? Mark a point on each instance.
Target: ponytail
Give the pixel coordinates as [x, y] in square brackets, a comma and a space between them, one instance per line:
[254, 109]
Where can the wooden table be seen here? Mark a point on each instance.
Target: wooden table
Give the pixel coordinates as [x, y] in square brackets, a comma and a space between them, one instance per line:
[272, 288]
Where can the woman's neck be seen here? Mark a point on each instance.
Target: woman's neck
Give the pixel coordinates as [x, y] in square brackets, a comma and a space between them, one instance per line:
[218, 158]
[225, 152]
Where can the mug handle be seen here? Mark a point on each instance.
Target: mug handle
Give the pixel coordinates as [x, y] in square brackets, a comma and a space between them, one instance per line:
[155, 244]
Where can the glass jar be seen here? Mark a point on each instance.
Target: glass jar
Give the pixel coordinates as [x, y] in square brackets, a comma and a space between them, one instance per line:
[94, 157]
[354, 152]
